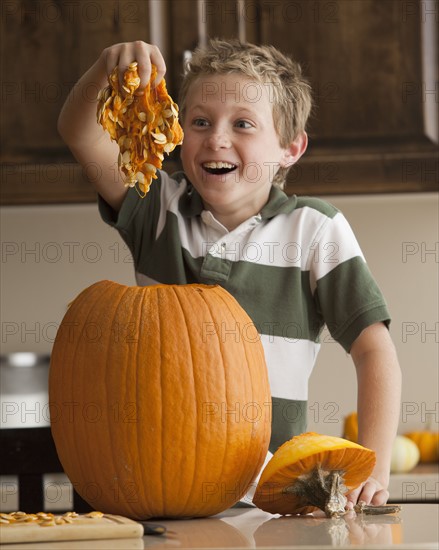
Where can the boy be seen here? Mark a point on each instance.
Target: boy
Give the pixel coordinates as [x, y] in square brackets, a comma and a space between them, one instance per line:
[292, 263]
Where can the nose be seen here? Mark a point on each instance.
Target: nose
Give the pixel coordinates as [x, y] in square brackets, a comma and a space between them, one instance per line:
[218, 139]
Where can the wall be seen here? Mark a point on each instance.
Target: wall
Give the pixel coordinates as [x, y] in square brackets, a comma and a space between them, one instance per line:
[50, 253]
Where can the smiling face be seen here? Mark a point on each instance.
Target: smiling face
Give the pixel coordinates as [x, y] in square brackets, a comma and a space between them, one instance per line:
[231, 150]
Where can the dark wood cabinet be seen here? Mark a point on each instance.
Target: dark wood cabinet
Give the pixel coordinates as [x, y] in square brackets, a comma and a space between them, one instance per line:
[372, 64]
[372, 67]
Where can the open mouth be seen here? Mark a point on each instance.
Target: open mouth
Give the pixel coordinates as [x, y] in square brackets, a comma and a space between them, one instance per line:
[219, 168]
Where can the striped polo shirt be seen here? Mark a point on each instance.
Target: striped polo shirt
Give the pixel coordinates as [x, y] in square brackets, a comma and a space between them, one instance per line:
[293, 267]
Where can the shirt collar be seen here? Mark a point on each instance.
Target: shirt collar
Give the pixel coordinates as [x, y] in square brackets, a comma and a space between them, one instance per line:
[191, 204]
[278, 203]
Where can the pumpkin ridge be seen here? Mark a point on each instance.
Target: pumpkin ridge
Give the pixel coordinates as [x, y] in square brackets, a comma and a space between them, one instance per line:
[60, 375]
[189, 396]
[247, 460]
[176, 306]
[202, 375]
[263, 452]
[226, 389]
[162, 443]
[170, 478]
[110, 290]
[251, 355]
[146, 297]
[148, 309]
[196, 426]
[74, 383]
[197, 511]
[138, 362]
[234, 308]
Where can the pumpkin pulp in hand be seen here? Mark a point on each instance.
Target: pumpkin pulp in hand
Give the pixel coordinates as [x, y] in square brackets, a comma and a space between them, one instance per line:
[145, 126]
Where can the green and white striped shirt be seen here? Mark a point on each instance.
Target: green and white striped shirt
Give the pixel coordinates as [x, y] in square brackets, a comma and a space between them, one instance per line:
[294, 267]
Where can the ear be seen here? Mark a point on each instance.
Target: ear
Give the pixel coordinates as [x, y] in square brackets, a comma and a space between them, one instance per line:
[295, 150]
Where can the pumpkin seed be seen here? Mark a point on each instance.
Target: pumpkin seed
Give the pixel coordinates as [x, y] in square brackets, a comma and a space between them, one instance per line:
[159, 138]
[67, 519]
[126, 157]
[149, 167]
[95, 513]
[117, 102]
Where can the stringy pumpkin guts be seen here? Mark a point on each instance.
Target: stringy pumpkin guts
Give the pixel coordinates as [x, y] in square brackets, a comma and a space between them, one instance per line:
[145, 126]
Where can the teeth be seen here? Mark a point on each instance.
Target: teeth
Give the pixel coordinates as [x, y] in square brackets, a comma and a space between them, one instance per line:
[219, 164]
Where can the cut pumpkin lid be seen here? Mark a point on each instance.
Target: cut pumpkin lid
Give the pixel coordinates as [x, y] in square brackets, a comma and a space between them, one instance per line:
[307, 471]
[144, 126]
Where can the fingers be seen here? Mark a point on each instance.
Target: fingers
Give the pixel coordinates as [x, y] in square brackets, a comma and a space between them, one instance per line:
[157, 58]
[352, 497]
[380, 497]
[369, 493]
[145, 54]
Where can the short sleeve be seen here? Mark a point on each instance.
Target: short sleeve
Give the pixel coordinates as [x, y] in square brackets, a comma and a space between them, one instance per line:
[347, 295]
[137, 218]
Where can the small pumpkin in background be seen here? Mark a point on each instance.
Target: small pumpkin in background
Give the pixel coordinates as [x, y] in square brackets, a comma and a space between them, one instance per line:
[350, 430]
[159, 399]
[405, 455]
[428, 444]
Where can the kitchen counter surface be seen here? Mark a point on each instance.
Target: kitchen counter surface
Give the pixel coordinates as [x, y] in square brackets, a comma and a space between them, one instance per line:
[415, 527]
[419, 485]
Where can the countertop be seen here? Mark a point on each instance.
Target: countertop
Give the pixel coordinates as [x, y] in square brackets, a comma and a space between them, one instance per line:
[415, 527]
[419, 485]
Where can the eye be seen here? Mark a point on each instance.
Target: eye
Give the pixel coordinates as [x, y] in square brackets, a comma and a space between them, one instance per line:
[243, 124]
[200, 122]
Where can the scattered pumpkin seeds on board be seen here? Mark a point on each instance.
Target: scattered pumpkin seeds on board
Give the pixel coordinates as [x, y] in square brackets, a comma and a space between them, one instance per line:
[45, 519]
[144, 126]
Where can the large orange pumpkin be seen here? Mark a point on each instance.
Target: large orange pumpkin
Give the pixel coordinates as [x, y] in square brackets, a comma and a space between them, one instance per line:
[159, 396]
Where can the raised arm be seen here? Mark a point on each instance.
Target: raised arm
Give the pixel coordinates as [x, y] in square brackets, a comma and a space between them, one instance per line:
[77, 123]
[379, 394]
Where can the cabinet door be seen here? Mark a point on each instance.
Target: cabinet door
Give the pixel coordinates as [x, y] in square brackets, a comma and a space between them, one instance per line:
[373, 67]
[46, 46]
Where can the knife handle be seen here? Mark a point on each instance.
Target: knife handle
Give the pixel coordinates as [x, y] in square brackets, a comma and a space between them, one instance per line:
[152, 528]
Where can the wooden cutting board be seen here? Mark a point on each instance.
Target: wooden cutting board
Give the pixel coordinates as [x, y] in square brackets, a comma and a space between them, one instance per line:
[81, 528]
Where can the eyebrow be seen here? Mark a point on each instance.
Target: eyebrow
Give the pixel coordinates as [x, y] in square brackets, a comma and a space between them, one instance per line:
[239, 110]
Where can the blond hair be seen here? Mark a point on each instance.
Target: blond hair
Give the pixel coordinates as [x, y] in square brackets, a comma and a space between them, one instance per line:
[290, 90]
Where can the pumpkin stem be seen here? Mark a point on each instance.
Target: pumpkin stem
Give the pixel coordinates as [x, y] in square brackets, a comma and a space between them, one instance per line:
[368, 509]
[335, 504]
[323, 489]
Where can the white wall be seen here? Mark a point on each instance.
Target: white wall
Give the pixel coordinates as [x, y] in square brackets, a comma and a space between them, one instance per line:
[51, 253]
[395, 232]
